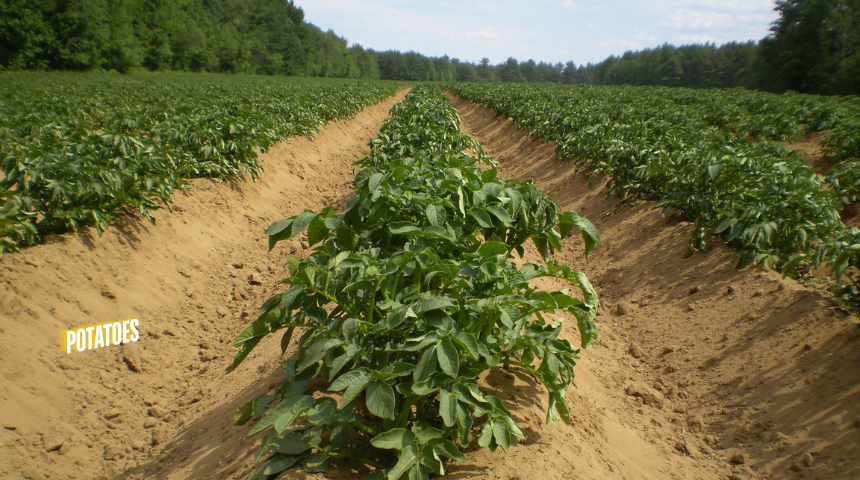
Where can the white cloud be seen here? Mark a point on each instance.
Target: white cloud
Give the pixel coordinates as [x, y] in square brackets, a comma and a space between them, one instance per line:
[736, 5]
[568, 4]
[688, 39]
[686, 18]
[485, 32]
[620, 43]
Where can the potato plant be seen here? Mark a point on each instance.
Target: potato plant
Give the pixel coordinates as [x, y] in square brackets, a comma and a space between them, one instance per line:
[709, 155]
[408, 297]
[78, 150]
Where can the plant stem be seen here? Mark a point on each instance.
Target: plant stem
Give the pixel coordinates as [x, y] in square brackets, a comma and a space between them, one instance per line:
[522, 365]
[365, 428]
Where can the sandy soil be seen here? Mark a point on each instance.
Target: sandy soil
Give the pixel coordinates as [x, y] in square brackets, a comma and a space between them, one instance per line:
[160, 407]
[809, 147]
[702, 371]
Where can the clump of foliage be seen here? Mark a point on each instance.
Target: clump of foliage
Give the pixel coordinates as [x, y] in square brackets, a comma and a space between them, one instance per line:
[408, 297]
[712, 156]
[77, 150]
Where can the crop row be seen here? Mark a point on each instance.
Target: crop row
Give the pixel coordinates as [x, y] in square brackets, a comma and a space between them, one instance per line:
[710, 155]
[409, 295]
[79, 149]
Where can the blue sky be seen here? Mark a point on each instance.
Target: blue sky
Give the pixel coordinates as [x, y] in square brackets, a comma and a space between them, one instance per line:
[543, 30]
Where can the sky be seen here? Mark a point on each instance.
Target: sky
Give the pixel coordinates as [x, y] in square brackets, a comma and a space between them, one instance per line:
[543, 30]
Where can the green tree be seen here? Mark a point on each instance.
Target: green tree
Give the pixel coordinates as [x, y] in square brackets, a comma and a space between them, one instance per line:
[26, 38]
[568, 74]
[814, 47]
[485, 71]
[510, 71]
[123, 51]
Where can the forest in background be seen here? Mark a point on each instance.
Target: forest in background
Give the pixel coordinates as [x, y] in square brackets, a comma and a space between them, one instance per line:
[814, 47]
[230, 36]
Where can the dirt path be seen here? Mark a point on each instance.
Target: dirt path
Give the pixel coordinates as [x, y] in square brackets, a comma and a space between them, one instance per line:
[702, 371]
[160, 407]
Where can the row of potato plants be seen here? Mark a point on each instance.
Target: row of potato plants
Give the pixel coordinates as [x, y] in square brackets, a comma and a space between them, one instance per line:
[81, 149]
[409, 296]
[710, 155]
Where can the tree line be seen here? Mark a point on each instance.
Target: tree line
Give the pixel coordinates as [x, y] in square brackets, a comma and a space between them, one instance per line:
[814, 47]
[231, 36]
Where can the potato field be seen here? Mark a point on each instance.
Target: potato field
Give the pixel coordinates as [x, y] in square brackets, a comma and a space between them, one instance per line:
[392, 280]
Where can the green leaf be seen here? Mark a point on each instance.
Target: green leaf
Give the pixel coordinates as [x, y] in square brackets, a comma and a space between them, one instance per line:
[469, 344]
[713, 171]
[339, 436]
[322, 413]
[482, 218]
[285, 339]
[446, 448]
[316, 462]
[244, 413]
[405, 462]
[485, 439]
[398, 369]
[338, 363]
[501, 214]
[724, 224]
[461, 201]
[589, 232]
[541, 245]
[292, 444]
[585, 320]
[464, 423]
[261, 403]
[312, 354]
[317, 231]
[254, 331]
[374, 182]
[291, 411]
[354, 382]
[419, 472]
[425, 433]
[279, 231]
[439, 232]
[279, 226]
[246, 348]
[396, 439]
[425, 388]
[380, 399]
[406, 229]
[491, 249]
[449, 359]
[432, 303]
[448, 408]
[557, 407]
[333, 222]
[426, 365]
[277, 464]
[293, 263]
[436, 215]
[489, 175]
[502, 433]
[284, 414]
[301, 222]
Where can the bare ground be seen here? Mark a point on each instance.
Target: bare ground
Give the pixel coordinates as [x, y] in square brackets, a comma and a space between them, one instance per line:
[760, 376]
